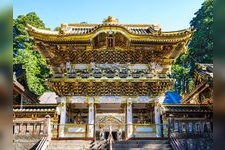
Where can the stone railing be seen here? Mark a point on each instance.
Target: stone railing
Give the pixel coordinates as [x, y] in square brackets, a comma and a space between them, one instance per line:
[191, 127]
[30, 128]
[27, 134]
[144, 130]
[72, 130]
[190, 133]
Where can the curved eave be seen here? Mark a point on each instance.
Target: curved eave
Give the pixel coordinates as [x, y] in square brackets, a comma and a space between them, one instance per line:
[48, 36]
[162, 40]
[36, 106]
[33, 110]
[186, 108]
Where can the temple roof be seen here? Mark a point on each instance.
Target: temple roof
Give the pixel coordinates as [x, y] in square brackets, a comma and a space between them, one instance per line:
[48, 97]
[109, 43]
[88, 28]
[205, 79]
[35, 108]
[20, 89]
[184, 108]
[17, 85]
[34, 111]
[205, 69]
[86, 31]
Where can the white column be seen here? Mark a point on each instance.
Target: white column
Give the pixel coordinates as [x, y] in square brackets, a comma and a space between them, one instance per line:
[62, 101]
[91, 120]
[129, 119]
[48, 126]
[158, 121]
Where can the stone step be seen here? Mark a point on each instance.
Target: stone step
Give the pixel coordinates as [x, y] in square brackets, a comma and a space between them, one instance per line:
[142, 142]
[24, 145]
[65, 144]
[142, 149]
[66, 149]
[69, 145]
[141, 146]
[117, 145]
[71, 142]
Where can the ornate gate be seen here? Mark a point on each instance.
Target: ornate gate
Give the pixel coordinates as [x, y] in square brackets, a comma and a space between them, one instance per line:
[103, 123]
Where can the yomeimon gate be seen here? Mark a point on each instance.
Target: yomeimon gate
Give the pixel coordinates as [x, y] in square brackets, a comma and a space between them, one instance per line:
[109, 75]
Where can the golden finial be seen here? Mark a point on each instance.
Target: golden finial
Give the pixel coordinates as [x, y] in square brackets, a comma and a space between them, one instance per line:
[110, 20]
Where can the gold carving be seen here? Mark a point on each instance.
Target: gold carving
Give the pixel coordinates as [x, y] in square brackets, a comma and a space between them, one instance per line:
[110, 19]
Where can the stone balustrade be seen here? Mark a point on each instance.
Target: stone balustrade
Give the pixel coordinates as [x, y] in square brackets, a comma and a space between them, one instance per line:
[144, 130]
[191, 133]
[27, 133]
[26, 127]
[71, 130]
[41, 126]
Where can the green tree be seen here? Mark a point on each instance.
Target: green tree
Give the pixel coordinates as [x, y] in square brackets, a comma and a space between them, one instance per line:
[24, 53]
[200, 48]
[180, 72]
[201, 45]
[57, 28]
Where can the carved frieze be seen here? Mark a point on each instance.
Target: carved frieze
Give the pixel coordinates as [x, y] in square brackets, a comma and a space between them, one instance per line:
[110, 88]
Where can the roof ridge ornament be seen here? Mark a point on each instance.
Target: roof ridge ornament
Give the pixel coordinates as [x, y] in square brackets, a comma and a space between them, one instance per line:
[110, 20]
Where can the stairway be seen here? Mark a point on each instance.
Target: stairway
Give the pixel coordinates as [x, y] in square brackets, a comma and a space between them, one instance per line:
[142, 145]
[69, 145]
[25, 141]
[99, 145]
[117, 145]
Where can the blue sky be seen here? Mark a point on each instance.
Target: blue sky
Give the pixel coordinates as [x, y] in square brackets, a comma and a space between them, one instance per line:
[4, 4]
[170, 14]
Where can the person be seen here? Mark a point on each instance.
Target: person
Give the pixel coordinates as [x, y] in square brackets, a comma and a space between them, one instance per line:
[101, 134]
[120, 134]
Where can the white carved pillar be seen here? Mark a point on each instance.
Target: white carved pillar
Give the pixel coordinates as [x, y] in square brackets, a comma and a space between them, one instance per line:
[129, 119]
[48, 126]
[158, 121]
[62, 102]
[91, 119]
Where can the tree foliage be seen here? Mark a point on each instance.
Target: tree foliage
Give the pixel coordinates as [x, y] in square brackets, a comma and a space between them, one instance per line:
[201, 45]
[57, 28]
[181, 71]
[24, 53]
[200, 48]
